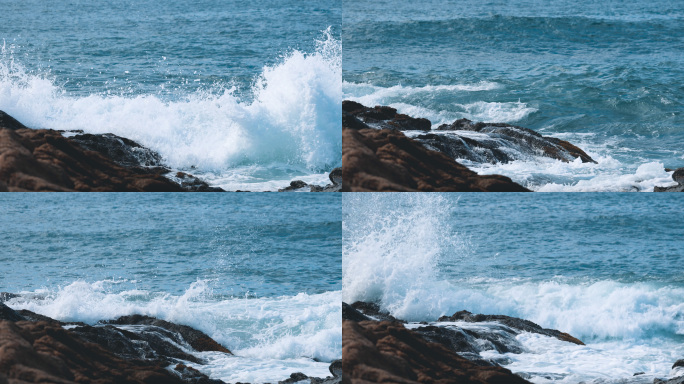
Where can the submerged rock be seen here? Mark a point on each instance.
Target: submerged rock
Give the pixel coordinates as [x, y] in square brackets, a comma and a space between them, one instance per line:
[387, 160]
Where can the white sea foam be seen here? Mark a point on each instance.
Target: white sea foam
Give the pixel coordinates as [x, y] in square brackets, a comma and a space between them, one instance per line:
[293, 122]
[269, 336]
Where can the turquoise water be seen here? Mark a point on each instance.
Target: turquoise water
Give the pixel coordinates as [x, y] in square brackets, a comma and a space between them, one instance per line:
[603, 75]
[246, 95]
[602, 267]
[260, 273]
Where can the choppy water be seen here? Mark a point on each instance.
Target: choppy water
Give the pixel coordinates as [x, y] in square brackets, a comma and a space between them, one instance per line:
[260, 273]
[244, 94]
[606, 76]
[602, 267]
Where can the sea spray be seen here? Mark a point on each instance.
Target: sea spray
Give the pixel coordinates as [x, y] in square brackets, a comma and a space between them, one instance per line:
[290, 125]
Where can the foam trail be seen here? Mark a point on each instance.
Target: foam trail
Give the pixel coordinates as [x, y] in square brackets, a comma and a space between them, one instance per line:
[293, 120]
[269, 336]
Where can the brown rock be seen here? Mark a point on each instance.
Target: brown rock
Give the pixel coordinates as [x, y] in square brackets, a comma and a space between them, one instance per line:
[41, 352]
[44, 160]
[386, 352]
[387, 160]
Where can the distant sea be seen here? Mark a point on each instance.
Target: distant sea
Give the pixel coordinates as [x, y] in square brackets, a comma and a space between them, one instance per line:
[604, 75]
[601, 267]
[243, 94]
[259, 273]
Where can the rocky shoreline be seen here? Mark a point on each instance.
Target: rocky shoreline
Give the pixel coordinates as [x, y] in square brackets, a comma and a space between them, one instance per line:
[377, 154]
[60, 161]
[378, 347]
[129, 349]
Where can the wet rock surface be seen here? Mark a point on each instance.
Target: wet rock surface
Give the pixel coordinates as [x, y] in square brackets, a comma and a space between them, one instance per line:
[464, 139]
[387, 160]
[385, 351]
[131, 349]
[499, 333]
[678, 176]
[511, 322]
[45, 160]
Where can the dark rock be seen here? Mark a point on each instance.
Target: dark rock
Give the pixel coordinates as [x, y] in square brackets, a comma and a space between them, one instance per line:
[193, 376]
[500, 143]
[191, 183]
[678, 363]
[335, 177]
[9, 122]
[294, 186]
[387, 160]
[121, 150]
[349, 313]
[295, 377]
[198, 340]
[149, 342]
[357, 116]
[386, 352]
[512, 322]
[503, 143]
[41, 352]
[336, 368]
[373, 310]
[9, 314]
[677, 176]
[676, 380]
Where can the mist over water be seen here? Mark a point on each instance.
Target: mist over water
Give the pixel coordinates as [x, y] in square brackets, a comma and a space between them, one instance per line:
[587, 265]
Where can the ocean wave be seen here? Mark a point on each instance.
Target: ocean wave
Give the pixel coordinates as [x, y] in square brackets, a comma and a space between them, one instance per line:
[278, 328]
[294, 118]
[394, 250]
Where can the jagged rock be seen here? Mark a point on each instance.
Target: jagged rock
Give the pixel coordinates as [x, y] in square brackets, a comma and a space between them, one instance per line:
[41, 352]
[500, 143]
[678, 363]
[386, 352]
[512, 322]
[676, 380]
[198, 340]
[148, 343]
[387, 160]
[678, 176]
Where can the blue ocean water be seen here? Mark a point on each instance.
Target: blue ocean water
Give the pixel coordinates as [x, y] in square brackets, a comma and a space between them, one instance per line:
[246, 94]
[606, 76]
[602, 267]
[260, 273]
